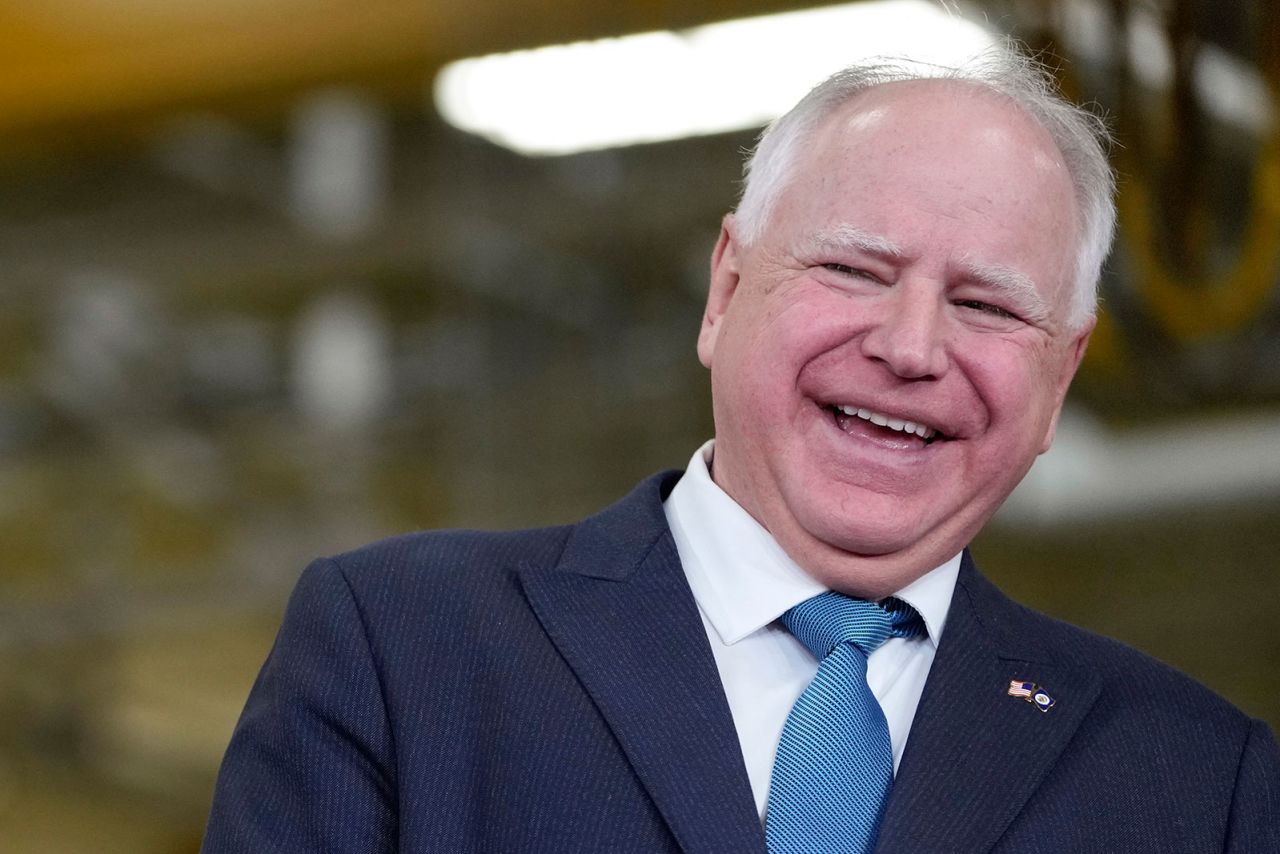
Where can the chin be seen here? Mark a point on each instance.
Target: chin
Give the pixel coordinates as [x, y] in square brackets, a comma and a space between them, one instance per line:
[874, 532]
[865, 577]
[864, 538]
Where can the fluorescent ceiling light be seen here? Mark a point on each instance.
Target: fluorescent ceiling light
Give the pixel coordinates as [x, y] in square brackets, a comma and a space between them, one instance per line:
[668, 85]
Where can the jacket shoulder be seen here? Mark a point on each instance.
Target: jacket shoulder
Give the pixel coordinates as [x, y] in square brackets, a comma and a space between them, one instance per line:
[441, 556]
[462, 573]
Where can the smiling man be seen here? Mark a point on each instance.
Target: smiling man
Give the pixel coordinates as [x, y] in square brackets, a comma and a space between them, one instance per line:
[786, 648]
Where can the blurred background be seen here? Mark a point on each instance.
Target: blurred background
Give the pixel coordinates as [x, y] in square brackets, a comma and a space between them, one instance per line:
[283, 276]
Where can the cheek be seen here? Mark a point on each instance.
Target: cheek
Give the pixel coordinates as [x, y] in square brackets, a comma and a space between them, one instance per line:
[1020, 388]
[1003, 371]
[767, 334]
[815, 321]
[761, 361]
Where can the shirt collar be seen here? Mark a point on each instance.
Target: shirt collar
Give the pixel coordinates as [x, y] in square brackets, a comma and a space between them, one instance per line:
[740, 576]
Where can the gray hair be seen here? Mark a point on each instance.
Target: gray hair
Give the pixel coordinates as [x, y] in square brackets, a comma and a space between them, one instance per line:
[1080, 135]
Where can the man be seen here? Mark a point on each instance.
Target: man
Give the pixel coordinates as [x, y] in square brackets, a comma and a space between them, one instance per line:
[894, 316]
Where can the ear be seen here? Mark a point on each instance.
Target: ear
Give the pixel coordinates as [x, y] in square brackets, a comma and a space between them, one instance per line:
[1071, 362]
[724, 283]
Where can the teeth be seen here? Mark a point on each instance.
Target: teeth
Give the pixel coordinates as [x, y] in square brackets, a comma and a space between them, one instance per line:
[892, 423]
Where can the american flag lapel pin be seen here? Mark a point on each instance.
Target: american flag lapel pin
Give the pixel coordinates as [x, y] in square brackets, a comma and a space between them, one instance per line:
[1032, 693]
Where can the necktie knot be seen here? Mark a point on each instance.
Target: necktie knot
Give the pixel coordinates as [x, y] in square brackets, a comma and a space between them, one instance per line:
[831, 619]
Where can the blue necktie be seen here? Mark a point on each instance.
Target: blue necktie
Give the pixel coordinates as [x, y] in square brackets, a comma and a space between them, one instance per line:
[834, 764]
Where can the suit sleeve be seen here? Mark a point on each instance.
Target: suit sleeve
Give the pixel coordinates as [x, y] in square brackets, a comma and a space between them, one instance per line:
[1255, 807]
[309, 766]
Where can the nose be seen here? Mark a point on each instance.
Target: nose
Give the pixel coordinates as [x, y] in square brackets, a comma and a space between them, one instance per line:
[907, 335]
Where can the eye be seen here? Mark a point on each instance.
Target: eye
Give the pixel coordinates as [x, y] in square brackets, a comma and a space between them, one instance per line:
[987, 308]
[846, 270]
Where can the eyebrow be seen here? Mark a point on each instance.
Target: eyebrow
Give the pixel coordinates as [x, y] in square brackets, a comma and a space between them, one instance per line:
[1017, 286]
[858, 239]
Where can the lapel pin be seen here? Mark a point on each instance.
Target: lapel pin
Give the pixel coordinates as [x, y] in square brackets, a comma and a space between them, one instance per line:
[1032, 693]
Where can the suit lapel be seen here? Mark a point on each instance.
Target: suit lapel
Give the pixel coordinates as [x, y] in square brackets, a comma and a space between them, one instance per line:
[976, 754]
[621, 613]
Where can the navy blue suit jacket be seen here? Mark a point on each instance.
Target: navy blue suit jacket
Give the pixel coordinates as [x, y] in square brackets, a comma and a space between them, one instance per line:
[554, 691]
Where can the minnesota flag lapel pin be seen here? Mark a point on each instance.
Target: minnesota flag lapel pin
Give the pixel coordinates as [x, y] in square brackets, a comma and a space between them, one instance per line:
[1032, 693]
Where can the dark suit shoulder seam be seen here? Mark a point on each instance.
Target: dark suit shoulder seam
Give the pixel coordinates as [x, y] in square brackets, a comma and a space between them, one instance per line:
[979, 614]
[566, 534]
[664, 534]
[1250, 733]
[373, 658]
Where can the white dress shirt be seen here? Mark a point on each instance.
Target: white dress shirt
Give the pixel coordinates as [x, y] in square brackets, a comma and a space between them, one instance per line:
[743, 582]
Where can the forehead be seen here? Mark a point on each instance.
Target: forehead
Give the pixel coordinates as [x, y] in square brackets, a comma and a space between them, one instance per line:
[941, 108]
[934, 125]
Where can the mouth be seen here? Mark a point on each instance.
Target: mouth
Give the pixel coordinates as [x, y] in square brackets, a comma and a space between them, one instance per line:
[847, 415]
